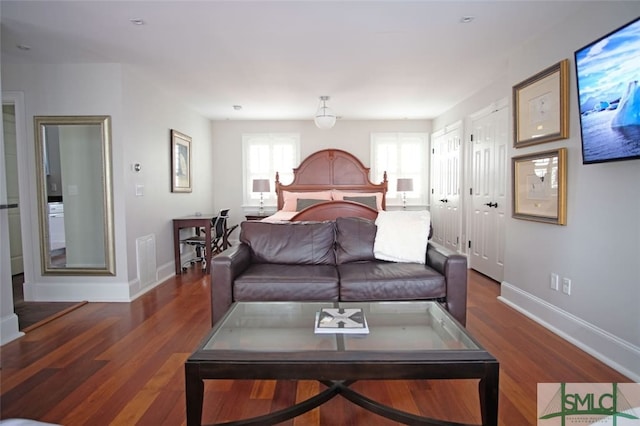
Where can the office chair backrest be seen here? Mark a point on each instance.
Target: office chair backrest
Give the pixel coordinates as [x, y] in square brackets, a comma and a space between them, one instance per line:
[220, 223]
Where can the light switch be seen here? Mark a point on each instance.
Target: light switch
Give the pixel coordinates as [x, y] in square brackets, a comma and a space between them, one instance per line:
[139, 190]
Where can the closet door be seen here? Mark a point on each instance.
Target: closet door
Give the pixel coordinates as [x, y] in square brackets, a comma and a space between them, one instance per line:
[445, 189]
[489, 164]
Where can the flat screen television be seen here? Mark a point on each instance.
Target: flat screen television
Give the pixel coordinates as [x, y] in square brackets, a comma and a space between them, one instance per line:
[608, 78]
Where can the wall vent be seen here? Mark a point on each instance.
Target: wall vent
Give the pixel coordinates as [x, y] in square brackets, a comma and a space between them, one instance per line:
[146, 255]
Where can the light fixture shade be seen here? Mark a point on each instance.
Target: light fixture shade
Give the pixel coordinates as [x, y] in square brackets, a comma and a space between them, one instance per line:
[261, 185]
[405, 184]
[325, 118]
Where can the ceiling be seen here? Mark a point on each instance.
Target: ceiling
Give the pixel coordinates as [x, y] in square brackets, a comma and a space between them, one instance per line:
[377, 60]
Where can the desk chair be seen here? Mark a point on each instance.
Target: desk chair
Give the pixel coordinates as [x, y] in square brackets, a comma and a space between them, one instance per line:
[218, 239]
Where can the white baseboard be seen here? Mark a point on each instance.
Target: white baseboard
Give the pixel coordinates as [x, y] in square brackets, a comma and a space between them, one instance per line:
[617, 353]
[163, 273]
[9, 329]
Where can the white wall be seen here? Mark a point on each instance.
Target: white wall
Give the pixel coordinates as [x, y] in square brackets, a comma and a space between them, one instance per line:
[79, 89]
[142, 116]
[599, 248]
[149, 116]
[352, 136]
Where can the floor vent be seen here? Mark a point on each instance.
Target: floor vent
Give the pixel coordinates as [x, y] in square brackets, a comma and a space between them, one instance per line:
[146, 254]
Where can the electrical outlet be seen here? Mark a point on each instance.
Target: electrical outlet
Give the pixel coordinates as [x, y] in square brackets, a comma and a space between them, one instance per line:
[566, 286]
[554, 281]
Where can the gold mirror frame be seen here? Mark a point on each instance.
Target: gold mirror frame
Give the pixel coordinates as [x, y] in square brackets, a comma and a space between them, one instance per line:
[76, 191]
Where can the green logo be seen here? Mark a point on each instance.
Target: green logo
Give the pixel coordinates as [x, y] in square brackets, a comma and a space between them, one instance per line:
[586, 403]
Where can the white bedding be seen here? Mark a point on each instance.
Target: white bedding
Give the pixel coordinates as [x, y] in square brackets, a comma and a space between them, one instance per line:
[279, 216]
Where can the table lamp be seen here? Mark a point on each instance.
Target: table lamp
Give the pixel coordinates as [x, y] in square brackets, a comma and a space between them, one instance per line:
[261, 186]
[404, 185]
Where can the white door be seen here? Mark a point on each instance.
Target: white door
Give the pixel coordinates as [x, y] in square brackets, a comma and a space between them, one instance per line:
[488, 192]
[445, 189]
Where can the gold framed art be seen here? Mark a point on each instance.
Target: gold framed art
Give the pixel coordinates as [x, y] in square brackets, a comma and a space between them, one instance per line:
[180, 162]
[541, 106]
[540, 186]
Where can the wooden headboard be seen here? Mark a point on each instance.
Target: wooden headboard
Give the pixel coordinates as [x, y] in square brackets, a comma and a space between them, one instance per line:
[331, 169]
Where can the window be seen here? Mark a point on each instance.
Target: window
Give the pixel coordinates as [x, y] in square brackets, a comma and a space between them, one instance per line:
[262, 156]
[401, 155]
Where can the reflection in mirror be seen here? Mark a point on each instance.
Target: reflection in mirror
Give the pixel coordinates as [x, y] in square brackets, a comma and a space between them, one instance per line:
[73, 156]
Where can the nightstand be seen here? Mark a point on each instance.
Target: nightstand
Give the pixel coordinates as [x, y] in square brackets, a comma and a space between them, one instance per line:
[256, 216]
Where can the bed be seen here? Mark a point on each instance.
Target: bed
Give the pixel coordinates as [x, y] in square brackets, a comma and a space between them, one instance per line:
[331, 183]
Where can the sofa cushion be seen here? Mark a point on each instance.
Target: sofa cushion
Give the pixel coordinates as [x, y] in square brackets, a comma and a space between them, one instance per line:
[293, 243]
[273, 282]
[354, 239]
[379, 280]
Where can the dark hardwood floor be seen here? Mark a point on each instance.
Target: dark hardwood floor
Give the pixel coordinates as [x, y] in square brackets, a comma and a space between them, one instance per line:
[123, 364]
[32, 315]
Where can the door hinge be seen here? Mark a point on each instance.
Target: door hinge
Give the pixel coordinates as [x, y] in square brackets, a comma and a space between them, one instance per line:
[432, 191]
[469, 243]
[470, 191]
[472, 137]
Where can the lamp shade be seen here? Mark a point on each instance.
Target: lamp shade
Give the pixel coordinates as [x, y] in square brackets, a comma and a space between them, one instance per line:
[405, 184]
[261, 185]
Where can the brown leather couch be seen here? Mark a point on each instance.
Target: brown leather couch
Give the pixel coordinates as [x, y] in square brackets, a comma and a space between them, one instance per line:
[329, 261]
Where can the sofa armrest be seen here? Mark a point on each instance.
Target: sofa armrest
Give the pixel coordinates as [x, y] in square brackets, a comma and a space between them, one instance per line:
[225, 267]
[454, 269]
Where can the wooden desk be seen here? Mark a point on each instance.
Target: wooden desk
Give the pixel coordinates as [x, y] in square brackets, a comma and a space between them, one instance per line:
[197, 222]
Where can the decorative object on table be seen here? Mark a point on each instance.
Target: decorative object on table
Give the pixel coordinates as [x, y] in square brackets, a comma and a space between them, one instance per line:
[325, 117]
[180, 162]
[404, 185]
[540, 186]
[341, 320]
[608, 98]
[261, 186]
[541, 106]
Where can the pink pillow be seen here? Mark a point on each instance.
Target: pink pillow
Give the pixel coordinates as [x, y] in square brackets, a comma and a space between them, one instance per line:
[291, 198]
[339, 195]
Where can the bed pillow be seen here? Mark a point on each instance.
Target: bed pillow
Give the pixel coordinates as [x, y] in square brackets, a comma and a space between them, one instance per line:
[367, 201]
[339, 195]
[291, 198]
[303, 203]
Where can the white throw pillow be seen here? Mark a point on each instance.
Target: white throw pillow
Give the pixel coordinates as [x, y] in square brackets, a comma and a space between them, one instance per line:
[402, 236]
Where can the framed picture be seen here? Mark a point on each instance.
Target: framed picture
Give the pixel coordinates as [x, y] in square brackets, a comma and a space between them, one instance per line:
[541, 106]
[540, 186]
[180, 162]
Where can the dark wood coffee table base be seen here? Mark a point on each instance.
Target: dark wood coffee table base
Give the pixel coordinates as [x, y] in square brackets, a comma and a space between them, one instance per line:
[488, 391]
[409, 341]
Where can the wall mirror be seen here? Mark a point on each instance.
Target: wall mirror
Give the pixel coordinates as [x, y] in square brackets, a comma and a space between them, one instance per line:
[73, 155]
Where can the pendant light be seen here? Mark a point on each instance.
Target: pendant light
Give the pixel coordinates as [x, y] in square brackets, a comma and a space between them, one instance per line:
[325, 117]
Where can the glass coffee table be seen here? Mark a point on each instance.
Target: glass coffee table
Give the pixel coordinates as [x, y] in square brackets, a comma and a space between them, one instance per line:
[276, 340]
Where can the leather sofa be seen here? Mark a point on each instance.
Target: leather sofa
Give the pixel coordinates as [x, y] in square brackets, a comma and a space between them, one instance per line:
[329, 261]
